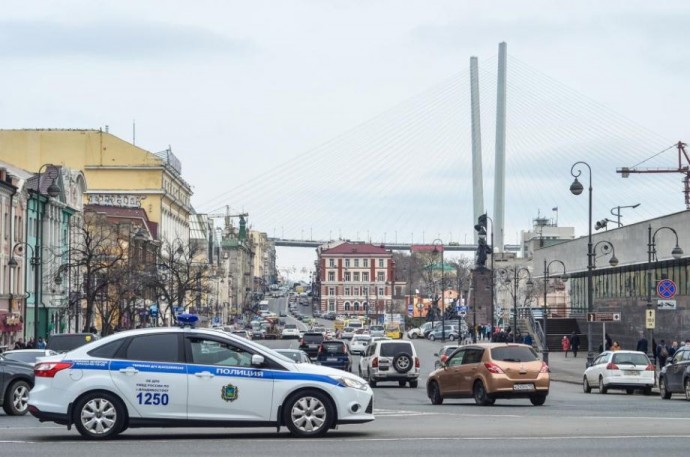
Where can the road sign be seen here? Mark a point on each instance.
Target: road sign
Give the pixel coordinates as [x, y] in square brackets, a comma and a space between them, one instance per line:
[666, 289]
[603, 317]
[462, 313]
[666, 304]
[650, 319]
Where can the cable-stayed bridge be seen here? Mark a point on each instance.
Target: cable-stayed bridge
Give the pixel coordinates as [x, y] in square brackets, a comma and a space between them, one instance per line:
[409, 169]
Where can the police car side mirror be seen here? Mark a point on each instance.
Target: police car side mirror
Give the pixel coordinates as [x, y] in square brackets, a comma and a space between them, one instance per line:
[257, 360]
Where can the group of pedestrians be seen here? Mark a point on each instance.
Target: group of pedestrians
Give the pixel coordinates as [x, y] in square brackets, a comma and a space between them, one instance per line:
[31, 344]
[571, 344]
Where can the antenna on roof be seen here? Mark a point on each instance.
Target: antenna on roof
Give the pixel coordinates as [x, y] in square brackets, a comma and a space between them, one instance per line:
[134, 131]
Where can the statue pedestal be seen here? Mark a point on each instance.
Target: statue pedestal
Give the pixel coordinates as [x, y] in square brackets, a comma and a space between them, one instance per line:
[480, 305]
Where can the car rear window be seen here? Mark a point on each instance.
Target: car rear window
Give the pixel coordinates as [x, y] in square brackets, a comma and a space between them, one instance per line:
[66, 342]
[333, 348]
[513, 354]
[313, 338]
[393, 349]
[630, 359]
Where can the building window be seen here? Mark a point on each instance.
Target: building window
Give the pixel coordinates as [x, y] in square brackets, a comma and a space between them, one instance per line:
[347, 291]
[331, 305]
[331, 263]
[356, 291]
[356, 263]
[380, 276]
[356, 306]
[347, 276]
[365, 291]
[366, 263]
[331, 276]
[347, 306]
[381, 292]
[347, 263]
[365, 277]
[331, 291]
[356, 276]
[380, 263]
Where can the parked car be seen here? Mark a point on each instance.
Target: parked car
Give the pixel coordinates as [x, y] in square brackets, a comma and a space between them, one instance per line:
[625, 370]
[65, 342]
[489, 371]
[443, 355]
[310, 343]
[16, 380]
[394, 331]
[359, 343]
[390, 360]
[675, 376]
[27, 355]
[295, 355]
[418, 332]
[329, 315]
[334, 354]
[449, 331]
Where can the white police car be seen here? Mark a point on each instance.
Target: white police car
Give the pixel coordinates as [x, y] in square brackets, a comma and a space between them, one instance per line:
[182, 377]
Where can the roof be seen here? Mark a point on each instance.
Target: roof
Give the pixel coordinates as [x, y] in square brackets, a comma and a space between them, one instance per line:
[119, 212]
[356, 249]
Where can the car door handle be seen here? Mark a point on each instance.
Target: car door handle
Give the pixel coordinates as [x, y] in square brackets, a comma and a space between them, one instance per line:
[204, 374]
[129, 370]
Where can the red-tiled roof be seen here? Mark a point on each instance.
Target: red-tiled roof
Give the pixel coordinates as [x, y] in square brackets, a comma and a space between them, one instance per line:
[356, 249]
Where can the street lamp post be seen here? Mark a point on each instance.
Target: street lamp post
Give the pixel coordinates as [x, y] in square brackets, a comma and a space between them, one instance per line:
[436, 244]
[564, 276]
[576, 188]
[676, 252]
[618, 212]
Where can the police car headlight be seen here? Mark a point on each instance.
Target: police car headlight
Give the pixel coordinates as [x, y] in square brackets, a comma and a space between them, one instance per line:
[350, 382]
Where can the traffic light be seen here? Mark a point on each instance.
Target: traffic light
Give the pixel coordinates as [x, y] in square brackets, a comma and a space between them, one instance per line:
[481, 225]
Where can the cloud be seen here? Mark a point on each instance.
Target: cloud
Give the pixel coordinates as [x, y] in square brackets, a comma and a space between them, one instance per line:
[113, 40]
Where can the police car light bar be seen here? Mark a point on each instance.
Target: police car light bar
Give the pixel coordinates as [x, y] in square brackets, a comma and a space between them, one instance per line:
[187, 320]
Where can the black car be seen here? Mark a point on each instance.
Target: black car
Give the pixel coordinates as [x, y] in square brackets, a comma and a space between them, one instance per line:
[310, 343]
[17, 379]
[675, 376]
[335, 354]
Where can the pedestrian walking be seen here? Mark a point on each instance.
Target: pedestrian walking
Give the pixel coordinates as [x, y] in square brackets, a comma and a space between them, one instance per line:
[41, 343]
[662, 353]
[565, 345]
[642, 344]
[19, 344]
[574, 343]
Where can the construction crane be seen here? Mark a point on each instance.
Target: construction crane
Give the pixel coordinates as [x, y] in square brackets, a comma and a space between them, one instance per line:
[684, 169]
[227, 217]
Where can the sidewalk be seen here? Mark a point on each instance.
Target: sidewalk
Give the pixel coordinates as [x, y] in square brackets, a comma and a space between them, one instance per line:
[567, 369]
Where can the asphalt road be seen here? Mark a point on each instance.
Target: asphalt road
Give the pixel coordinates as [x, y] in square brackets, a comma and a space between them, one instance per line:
[571, 423]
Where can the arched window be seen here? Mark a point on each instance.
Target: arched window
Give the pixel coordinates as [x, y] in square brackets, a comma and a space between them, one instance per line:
[356, 306]
[347, 306]
[365, 306]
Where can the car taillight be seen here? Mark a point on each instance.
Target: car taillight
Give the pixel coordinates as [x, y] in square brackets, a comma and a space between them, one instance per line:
[650, 367]
[544, 368]
[444, 358]
[320, 347]
[50, 369]
[301, 342]
[612, 366]
[417, 362]
[493, 368]
[375, 362]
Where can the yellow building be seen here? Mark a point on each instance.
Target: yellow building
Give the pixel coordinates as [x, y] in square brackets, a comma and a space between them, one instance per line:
[119, 173]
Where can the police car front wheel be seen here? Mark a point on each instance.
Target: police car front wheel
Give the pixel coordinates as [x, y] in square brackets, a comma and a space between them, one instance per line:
[99, 415]
[309, 414]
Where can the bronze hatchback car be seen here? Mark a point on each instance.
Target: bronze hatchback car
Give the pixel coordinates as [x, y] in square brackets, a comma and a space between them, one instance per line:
[489, 371]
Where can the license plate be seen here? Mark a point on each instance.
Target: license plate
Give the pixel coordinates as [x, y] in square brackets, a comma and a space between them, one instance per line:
[631, 373]
[527, 387]
[313, 346]
[332, 359]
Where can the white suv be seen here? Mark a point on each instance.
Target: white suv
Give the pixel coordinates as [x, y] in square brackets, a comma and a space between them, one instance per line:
[390, 360]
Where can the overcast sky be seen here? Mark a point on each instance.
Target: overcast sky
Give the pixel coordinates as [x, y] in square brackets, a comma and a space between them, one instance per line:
[238, 87]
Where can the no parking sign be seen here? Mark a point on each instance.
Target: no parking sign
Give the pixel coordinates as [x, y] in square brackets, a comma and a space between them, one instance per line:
[666, 289]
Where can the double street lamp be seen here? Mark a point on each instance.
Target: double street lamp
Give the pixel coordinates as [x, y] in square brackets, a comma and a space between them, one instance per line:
[436, 243]
[52, 191]
[564, 277]
[516, 282]
[676, 253]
